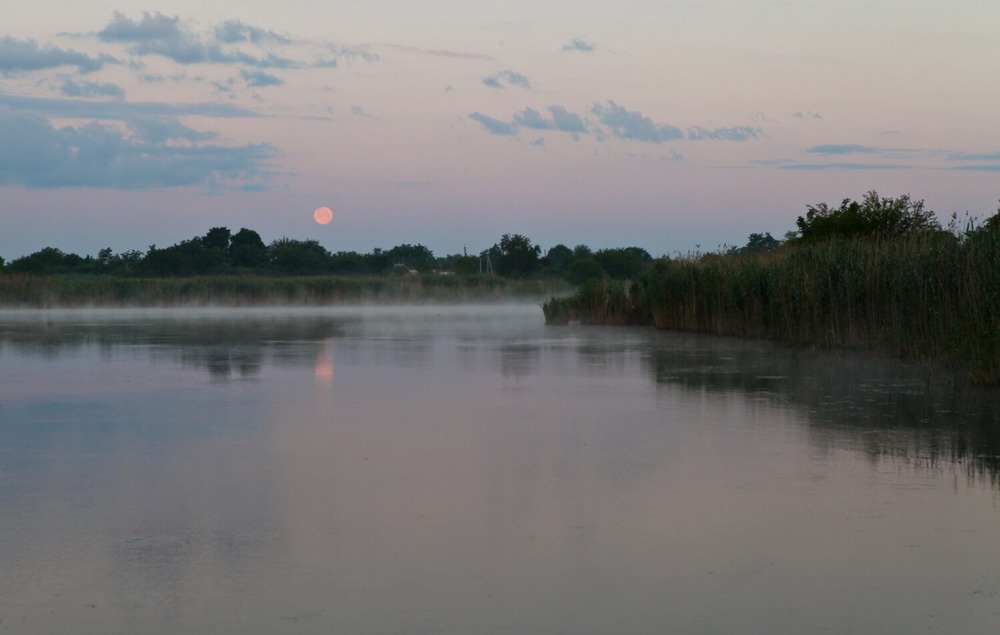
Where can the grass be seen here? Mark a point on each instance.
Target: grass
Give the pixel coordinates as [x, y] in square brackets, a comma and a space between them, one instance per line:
[27, 291]
[925, 297]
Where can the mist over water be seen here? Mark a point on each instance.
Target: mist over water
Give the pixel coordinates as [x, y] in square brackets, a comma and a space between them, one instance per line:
[470, 470]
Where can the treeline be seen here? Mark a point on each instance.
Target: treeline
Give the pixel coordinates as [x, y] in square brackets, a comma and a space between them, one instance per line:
[222, 252]
[880, 274]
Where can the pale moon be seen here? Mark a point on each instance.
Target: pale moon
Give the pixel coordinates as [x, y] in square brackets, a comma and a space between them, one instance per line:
[323, 215]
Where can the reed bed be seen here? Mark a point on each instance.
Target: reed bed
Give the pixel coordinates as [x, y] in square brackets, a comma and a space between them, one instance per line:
[926, 297]
[60, 291]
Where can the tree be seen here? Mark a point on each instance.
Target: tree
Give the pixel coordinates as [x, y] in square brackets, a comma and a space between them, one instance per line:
[873, 216]
[298, 257]
[246, 249]
[515, 255]
[558, 258]
[217, 238]
[413, 256]
[186, 258]
[757, 244]
[583, 269]
[623, 263]
[463, 264]
[47, 260]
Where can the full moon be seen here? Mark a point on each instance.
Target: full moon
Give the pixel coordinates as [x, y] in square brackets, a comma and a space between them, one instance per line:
[323, 215]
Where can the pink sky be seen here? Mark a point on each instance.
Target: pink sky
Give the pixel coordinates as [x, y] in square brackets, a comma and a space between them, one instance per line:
[659, 125]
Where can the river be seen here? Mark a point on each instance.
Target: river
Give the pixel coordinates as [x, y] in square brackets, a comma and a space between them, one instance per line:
[469, 470]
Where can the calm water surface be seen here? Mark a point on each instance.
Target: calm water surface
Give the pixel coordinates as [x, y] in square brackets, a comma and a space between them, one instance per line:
[469, 470]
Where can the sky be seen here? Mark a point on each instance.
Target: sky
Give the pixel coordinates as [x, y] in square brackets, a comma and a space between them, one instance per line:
[671, 126]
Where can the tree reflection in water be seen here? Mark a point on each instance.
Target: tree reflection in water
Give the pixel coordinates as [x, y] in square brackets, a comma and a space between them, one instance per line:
[885, 408]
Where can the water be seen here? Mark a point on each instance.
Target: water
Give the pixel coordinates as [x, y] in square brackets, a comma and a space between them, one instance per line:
[469, 470]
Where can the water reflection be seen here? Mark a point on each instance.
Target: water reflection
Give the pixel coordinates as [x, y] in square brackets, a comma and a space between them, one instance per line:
[224, 345]
[884, 408]
[470, 470]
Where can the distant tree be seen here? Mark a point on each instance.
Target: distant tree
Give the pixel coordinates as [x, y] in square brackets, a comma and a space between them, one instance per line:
[48, 260]
[105, 257]
[186, 258]
[377, 261]
[246, 249]
[463, 264]
[557, 259]
[348, 262]
[515, 256]
[298, 257]
[413, 256]
[217, 238]
[582, 251]
[583, 269]
[873, 216]
[757, 244]
[623, 263]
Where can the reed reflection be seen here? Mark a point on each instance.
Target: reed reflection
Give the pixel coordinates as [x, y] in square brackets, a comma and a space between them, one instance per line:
[881, 407]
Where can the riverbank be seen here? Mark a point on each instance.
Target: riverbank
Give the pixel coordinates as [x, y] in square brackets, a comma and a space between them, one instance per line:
[927, 297]
[74, 291]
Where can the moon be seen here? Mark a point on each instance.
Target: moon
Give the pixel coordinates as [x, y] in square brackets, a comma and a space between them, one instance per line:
[323, 215]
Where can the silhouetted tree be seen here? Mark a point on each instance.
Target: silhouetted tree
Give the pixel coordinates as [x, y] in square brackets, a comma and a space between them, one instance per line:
[515, 256]
[246, 249]
[582, 270]
[873, 216]
[623, 263]
[757, 244]
[217, 238]
[414, 256]
[557, 259]
[48, 260]
[298, 257]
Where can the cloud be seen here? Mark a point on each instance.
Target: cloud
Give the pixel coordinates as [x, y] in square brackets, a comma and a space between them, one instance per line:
[358, 111]
[539, 141]
[562, 120]
[158, 34]
[531, 118]
[737, 133]
[567, 121]
[837, 149]
[18, 56]
[979, 168]
[37, 155]
[990, 156]
[508, 76]
[234, 31]
[73, 88]
[578, 44]
[158, 130]
[352, 53]
[494, 126]
[434, 52]
[983, 162]
[257, 79]
[633, 125]
[155, 34]
[152, 27]
[844, 166]
[82, 109]
[807, 116]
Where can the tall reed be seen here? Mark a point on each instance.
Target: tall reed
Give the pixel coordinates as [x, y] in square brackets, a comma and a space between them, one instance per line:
[926, 296]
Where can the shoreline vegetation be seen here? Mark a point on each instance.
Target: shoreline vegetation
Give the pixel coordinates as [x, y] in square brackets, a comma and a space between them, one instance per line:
[29, 291]
[917, 292]
[879, 275]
